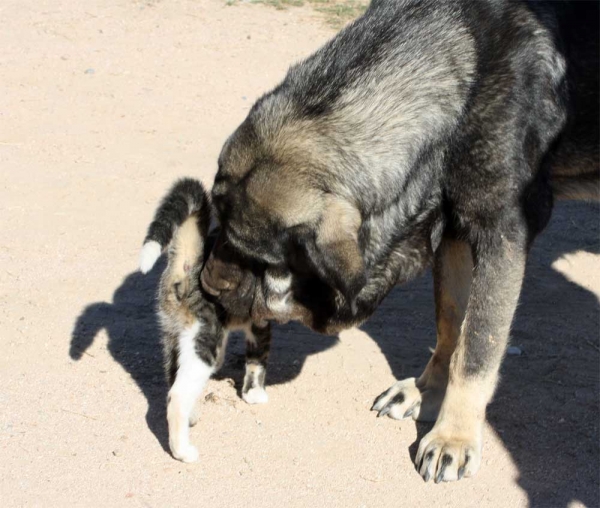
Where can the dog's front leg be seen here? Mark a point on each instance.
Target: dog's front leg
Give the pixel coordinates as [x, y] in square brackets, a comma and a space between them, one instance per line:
[452, 449]
[422, 398]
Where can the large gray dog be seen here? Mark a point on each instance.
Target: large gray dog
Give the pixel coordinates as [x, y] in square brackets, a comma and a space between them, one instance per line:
[426, 133]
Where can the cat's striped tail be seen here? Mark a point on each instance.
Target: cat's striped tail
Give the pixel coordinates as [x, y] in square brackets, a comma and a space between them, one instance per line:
[186, 198]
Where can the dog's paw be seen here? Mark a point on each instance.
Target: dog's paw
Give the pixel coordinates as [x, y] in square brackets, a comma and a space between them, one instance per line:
[405, 399]
[256, 396]
[448, 456]
[187, 453]
[150, 253]
[399, 401]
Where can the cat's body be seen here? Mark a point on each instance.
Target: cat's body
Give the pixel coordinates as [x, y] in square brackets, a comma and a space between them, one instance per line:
[194, 329]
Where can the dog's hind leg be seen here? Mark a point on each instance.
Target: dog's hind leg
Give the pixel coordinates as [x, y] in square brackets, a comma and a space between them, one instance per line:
[258, 344]
[422, 398]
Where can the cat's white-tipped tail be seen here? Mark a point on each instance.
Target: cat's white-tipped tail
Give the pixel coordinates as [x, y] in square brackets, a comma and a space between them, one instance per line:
[149, 254]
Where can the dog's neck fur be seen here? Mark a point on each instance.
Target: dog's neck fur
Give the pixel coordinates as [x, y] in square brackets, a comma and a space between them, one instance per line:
[337, 113]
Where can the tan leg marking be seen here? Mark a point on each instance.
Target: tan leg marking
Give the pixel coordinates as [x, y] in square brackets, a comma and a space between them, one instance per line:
[422, 398]
[452, 449]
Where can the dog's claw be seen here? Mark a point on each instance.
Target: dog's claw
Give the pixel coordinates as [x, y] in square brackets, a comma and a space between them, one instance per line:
[411, 410]
[445, 462]
[384, 411]
[375, 402]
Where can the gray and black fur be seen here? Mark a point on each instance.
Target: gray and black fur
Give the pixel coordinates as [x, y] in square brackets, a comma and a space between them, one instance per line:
[426, 133]
[194, 327]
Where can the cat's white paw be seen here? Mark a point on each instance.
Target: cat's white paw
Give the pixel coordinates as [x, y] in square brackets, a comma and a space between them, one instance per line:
[188, 453]
[256, 396]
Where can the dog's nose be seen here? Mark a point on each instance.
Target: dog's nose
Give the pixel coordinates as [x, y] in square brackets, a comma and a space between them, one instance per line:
[205, 280]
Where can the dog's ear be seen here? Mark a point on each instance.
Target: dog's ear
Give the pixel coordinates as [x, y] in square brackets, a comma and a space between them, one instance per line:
[335, 252]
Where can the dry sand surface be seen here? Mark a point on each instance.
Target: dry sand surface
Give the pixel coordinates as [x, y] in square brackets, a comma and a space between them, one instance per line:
[104, 103]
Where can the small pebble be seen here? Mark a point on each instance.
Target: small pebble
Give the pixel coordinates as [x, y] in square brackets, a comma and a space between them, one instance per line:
[211, 397]
[89, 71]
[514, 351]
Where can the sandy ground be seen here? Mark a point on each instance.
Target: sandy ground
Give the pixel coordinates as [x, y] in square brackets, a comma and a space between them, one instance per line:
[103, 104]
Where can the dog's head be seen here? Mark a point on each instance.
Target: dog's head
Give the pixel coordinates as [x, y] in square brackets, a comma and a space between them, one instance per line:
[289, 246]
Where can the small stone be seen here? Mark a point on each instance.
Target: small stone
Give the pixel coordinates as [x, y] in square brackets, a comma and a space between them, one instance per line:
[248, 37]
[514, 351]
[89, 71]
[116, 453]
[211, 397]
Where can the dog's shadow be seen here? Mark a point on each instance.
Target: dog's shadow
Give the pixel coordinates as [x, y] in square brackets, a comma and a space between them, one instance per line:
[546, 409]
[133, 332]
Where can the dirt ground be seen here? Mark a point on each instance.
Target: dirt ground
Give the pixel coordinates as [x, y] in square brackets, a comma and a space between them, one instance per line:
[103, 104]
